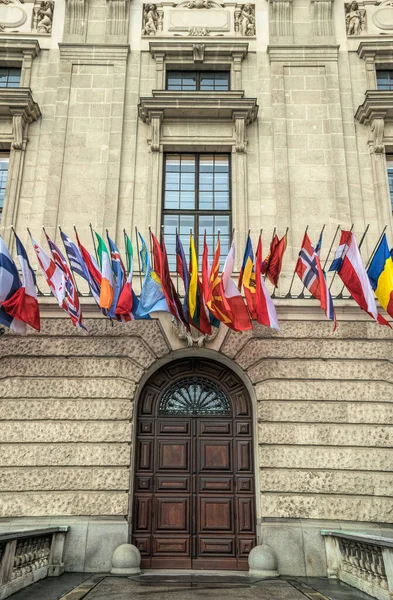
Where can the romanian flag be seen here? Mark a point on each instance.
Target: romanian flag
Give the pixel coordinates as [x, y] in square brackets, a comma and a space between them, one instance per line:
[196, 305]
[247, 278]
[380, 274]
[106, 294]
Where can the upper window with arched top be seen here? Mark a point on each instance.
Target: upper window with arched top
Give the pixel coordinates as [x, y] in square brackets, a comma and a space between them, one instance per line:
[195, 396]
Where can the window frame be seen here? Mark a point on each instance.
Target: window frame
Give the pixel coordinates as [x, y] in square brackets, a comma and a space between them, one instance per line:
[8, 68]
[389, 158]
[196, 213]
[198, 73]
[389, 70]
[5, 154]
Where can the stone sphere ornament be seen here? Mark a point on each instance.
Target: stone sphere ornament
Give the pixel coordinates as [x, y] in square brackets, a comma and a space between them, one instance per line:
[126, 560]
[262, 562]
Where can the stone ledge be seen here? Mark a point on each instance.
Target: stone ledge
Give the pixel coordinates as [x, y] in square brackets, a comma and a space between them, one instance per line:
[26, 533]
[378, 104]
[303, 54]
[17, 48]
[182, 51]
[79, 53]
[376, 540]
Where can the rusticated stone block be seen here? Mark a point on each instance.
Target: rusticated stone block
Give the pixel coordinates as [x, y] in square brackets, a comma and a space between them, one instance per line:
[318, 369]
[327, 507]
[64, 454]
[132, 348]
[64, 431]
[92, 409]
[296, 389]
[298, 457]
[66, 387]
[149, 331]
[326, 412]
[325, 435]
[73, 367]
[313, 348]
[63, 503]
[326, 482]
[49, 479]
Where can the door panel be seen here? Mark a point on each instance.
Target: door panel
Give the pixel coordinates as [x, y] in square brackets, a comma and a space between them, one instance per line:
[194, 503]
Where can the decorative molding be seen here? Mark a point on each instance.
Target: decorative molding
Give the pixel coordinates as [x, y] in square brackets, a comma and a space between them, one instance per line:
[117, 17]
[193, 338]
[322, 17]
[376, 110]
[379, 50]
[377, 129]
[281, 18]
[76, 17]
[227, 106]
[198, 52]
[214, 52]
[79, 53]
[292, 55]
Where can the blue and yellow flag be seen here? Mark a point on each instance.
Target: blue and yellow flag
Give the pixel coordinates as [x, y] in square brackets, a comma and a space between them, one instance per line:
[152, 298]
[247, 278]
[380, 274]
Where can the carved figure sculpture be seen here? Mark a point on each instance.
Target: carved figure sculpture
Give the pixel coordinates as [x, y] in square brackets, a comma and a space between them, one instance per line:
[44, 16]
[355, 18]
[247, 20]
[199, 4]
[150, 20]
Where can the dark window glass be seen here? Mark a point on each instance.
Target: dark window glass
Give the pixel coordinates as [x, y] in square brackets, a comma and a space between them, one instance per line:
[389, 162]
[9, 77]
[4, 159]
[385, 80]
[208, 81]
[197, 198]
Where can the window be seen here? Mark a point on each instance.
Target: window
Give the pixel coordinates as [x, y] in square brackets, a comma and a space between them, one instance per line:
[384, 80]
[196, 197]
[203, 81]
[389, 163]
[9, 77]
[195, 396]
[4, 159]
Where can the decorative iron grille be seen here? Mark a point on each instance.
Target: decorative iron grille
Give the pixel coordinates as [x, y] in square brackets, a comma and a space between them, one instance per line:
[195, 396]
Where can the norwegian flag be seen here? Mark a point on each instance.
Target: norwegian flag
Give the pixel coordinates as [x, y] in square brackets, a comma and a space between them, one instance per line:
[309, 269]
[73, 306]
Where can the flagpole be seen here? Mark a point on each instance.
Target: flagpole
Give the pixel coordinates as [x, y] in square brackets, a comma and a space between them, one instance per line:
[293, 276]
[74, 278]
[340, 295]
[151, 251]
[330, 249]
[38, 289]
[342, 254]
[177, 274]
[139, 256]
[125, 249]
[304, 287]
[94, 242]
[376, 247]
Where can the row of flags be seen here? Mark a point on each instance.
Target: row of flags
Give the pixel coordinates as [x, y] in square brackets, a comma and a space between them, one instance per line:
[210, 297]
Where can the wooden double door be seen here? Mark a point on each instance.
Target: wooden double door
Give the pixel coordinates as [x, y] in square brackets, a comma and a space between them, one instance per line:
[194, 491]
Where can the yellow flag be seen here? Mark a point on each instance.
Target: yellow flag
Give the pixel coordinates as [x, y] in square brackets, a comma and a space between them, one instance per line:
[193, 287]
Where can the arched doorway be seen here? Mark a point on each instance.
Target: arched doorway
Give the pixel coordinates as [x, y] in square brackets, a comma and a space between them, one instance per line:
[194, 504]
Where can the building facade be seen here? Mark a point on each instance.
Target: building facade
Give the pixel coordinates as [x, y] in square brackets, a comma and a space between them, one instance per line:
[205, 116]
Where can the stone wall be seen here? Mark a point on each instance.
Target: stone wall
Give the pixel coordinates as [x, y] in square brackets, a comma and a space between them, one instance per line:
[324, 413]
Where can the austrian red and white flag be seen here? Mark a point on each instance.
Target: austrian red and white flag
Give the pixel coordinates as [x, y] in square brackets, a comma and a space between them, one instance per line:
[351, 270]
[25, 306]
[232, 298]
[53, 275]
[264, 307]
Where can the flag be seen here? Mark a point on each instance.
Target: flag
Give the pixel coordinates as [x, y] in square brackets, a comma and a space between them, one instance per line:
[161, 267]
[214, 322]
[54, 276]
[128, 302]
[264, 307]
[119, 272]
[309, 270]
[247, 278]
[71, 302]
[273, 263]
[350, 268]
[106, 293]
[152, 298]
[23, 305]
[232, 298]
[94, 275]
[182, 270]
[10, 285]
[129, 253]
[214, 298]
[196, 304]
[380, 274]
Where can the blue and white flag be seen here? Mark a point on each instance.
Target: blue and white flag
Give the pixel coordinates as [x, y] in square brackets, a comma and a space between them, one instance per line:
[9, 284]
[152, 297]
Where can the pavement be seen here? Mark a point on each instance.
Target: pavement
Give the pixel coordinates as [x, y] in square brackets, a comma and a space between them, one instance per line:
[78, 586]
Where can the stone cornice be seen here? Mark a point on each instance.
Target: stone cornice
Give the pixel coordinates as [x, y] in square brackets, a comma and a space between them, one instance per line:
[16, 49]
[378, 104]
[18, 101]
[194, 105]
[77, 52]
[380, 49]
[301, 54]
[213, 51]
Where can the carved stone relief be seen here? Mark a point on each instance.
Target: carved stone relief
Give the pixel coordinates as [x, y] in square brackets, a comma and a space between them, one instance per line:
[12, 16]
[377, 129]
[198, 52]
[198, 31]
[383, 17]
[150, 19]
[43, 16]
[245, 20]
[193, 338]
[355, 18]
